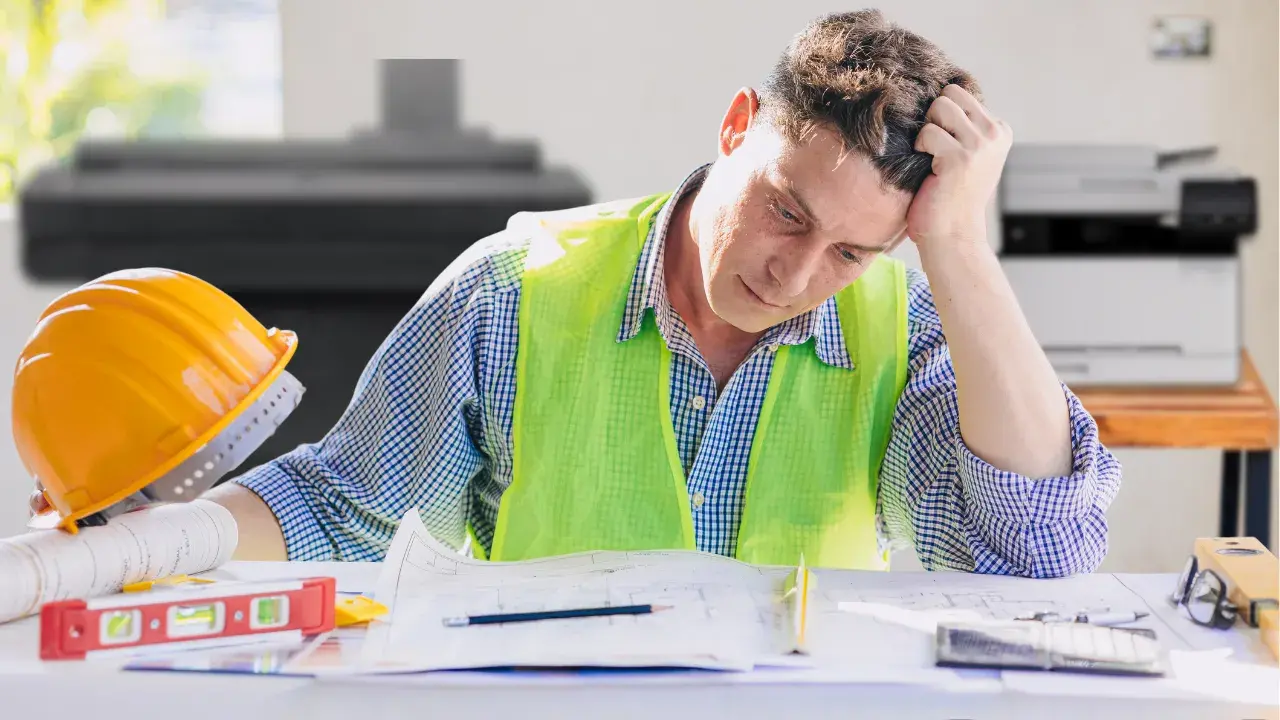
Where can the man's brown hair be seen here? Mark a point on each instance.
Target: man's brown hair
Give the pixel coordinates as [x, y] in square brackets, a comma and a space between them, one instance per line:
[869, 80]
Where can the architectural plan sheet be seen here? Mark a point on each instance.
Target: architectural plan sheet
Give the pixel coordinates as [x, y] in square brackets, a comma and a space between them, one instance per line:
[176, 539]
[723, 614]
[894, 616]
[726, 614]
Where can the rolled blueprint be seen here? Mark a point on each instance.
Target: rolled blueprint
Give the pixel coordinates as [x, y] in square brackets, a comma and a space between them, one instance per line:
[155, 542]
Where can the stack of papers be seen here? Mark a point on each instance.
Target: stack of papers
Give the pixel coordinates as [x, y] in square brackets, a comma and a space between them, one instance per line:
[859, 627]
[723, 614]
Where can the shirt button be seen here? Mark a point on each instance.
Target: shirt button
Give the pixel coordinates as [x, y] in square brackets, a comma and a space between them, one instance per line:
[698, 499]
[773, 347]
[699, 402]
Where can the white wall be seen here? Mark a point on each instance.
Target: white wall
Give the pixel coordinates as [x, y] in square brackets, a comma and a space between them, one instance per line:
[630, 94]
[20, 305]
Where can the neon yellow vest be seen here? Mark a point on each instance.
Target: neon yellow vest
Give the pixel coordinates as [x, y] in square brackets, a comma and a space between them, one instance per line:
[595, 459]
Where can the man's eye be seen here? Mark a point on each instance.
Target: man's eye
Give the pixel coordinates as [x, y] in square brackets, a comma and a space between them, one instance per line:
[848, 255]
[785, 214]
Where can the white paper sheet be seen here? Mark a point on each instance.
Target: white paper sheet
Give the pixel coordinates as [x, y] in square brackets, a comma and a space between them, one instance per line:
[333, 652]
[725, 614]
[937, 679]
[48, 565]
[862, 625]
[1201, 675]
[894, 616]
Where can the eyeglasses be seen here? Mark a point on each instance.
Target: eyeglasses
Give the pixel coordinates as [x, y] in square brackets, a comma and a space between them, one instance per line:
[1205, 595]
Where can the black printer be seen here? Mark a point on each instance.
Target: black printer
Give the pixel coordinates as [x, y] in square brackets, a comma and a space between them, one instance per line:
[332, 239]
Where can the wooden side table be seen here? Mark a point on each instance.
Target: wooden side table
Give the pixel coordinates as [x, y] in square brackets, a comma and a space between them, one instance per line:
[1241, 420]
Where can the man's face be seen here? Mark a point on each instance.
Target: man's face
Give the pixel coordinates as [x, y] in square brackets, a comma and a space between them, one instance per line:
[793, 223]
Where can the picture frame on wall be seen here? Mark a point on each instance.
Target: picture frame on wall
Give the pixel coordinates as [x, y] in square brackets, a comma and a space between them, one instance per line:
[1181, 36]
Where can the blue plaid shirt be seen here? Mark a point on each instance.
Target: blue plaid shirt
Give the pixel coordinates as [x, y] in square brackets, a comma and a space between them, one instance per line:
[430, 426]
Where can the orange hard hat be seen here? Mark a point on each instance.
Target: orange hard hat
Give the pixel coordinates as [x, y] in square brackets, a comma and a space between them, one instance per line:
[141, 386]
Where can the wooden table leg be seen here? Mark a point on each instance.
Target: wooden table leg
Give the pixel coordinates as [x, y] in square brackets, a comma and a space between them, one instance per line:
[1257, 509]
[1229, 510]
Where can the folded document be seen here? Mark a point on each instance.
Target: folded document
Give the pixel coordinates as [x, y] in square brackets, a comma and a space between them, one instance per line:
[724, 614]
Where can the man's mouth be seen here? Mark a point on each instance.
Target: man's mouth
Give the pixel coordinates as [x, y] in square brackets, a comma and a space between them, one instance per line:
[756, 296]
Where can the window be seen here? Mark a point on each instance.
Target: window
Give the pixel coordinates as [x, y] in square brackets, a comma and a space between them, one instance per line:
[131, 69]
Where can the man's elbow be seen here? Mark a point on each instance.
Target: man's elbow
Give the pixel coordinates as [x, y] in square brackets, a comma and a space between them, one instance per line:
[260, 536]
[1070, 547]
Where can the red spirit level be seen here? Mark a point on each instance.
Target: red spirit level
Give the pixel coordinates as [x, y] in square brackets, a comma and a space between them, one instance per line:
[194, 616]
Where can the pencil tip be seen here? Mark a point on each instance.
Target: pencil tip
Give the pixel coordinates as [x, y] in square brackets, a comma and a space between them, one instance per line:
[659, 608]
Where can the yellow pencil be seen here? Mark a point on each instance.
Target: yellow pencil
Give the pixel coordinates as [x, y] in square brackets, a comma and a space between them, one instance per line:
[799, 586]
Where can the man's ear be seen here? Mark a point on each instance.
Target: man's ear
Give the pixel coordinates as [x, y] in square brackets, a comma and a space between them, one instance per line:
[741, 114]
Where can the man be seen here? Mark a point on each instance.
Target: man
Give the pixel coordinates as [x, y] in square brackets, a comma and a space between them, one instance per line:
[736, 367]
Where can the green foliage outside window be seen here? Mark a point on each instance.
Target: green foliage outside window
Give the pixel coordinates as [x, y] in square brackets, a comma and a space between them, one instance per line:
[100, 67]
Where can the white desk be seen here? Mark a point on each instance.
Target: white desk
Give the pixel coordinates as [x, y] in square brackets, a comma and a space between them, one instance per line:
[30, 688]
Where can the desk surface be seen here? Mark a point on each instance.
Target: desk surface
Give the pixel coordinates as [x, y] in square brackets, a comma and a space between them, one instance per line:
[1241, 417]
[30, 688]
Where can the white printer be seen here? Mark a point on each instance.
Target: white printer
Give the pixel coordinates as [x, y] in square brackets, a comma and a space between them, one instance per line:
[1124, 260]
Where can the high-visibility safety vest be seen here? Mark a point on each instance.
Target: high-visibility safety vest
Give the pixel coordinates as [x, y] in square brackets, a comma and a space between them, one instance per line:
[595, 459]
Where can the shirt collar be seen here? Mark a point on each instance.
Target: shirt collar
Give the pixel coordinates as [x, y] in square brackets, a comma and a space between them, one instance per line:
[649, 292]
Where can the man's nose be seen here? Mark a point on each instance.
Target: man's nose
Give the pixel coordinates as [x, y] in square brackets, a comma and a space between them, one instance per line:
[792, 267]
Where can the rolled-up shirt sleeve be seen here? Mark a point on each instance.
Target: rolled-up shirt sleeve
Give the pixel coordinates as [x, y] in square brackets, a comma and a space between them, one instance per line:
[410, 437]
[960, 512]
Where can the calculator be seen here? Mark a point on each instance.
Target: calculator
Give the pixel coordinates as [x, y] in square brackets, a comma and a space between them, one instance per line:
[1033, 645]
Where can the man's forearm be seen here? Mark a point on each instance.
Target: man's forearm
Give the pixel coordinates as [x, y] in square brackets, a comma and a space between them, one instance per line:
[260, 535]
[1013, 413]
